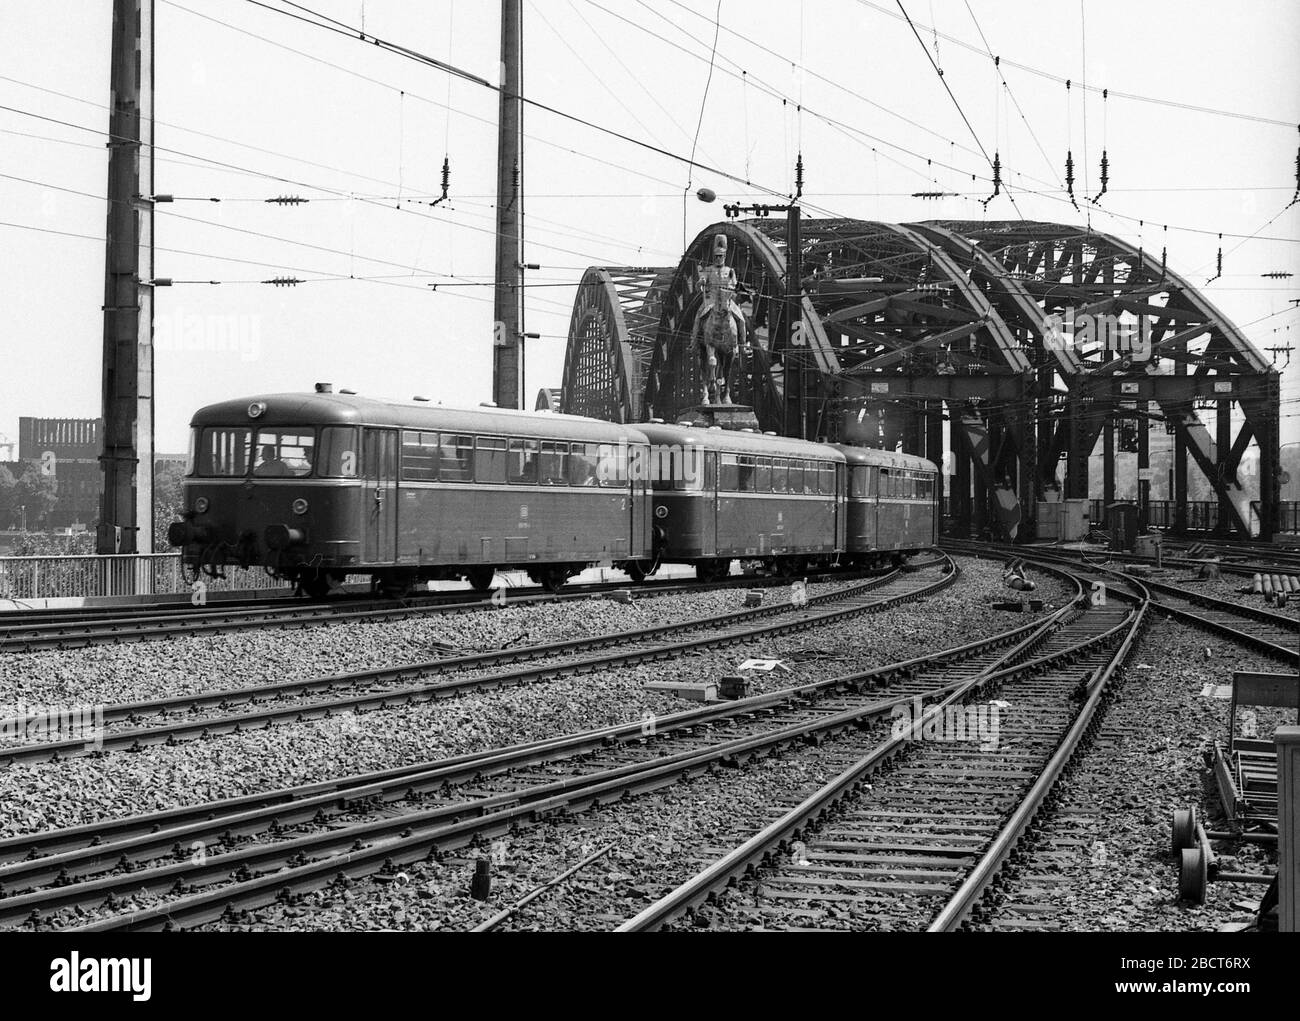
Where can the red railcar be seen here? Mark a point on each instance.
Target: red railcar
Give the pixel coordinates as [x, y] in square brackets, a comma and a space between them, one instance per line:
[319, 486]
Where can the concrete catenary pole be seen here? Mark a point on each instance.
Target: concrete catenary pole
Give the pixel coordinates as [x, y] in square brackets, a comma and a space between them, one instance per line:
[508, 292]
[126, 505]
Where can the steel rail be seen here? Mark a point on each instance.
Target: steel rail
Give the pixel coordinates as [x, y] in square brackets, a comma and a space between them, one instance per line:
[348, 854]
[152, 625]
[364, 848]
[752, 853]
[29, 857]
[1212, 603]
[172, 731]
[963, 901]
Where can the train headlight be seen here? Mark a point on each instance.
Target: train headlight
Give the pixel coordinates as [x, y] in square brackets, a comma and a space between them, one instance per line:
[300, 506]
[256, 409]
[201, 505]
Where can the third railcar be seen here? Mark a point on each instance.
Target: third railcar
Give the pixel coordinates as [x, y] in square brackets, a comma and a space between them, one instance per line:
[721, 495]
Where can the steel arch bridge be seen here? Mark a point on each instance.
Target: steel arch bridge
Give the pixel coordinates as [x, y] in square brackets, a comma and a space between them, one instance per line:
[1027, 338]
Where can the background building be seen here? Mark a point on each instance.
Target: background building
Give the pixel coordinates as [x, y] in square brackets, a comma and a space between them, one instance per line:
[68, 448]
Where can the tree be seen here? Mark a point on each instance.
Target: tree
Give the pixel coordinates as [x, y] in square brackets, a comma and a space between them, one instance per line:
[35, 491]
[8, 504]
[168, 502]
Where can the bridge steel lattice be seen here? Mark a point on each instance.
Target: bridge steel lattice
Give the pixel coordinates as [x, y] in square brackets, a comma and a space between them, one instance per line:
[907, 326]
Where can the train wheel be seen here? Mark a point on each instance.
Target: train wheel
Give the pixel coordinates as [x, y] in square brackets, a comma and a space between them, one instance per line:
[395, 585]
[713, 570]
[314, 584]
[553, 578]
[1193, 875]
[1183, 829]
[791, 567]
[635, 570]
[480, 578]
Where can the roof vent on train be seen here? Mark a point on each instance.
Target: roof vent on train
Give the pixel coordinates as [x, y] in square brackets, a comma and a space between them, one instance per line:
[656, 421]
[487, 404]
[324, 388]
[423, 400]
[747, 430]
[350, 393]
[769, 432]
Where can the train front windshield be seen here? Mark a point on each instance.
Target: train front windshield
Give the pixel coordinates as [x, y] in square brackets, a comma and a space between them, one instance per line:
[237, 451]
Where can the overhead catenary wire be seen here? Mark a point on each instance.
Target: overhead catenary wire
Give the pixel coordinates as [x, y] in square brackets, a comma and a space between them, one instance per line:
[699, 124]
[995, 165]
[1132, 96]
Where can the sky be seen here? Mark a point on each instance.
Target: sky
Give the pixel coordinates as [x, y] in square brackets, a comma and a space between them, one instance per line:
[253, 105]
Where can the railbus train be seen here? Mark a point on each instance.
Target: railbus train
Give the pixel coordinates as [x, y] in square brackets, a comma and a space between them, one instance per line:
[316, 487]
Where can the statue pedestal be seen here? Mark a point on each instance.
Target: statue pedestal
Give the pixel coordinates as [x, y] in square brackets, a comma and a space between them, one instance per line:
[725, 416]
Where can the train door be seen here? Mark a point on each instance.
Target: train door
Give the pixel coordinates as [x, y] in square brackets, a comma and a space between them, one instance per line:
[638, 516]
[709, 529]
[843, 488]
[379, 461]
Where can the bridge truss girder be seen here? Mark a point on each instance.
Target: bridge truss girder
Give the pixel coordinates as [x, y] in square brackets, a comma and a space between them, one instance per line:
[906, 326]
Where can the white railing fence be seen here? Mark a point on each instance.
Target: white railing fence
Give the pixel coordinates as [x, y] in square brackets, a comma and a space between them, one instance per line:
[114, 575]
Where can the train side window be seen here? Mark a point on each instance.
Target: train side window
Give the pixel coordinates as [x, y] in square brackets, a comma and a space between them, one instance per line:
[583, 458]
[710, 471]
[745, 473]
[763, 475]
[729, 473]
[552, 467]
[489, 459]
[858, 481]
[885, 492]
[455, 458]
[611, 472]
[780, 472]
[419, 456]
[523, 462]
[689, 470]
[796, 477]
[338, 452]
[810, 483]
[826, 474]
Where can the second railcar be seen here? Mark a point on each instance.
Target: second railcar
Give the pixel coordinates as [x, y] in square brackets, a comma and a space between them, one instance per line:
[721, 495]
[891, 502]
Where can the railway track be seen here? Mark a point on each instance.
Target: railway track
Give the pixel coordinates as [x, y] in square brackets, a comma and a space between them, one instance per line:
[914, 832]
[185, 717]
[1272, 633]
[436, 807]
[28, 631]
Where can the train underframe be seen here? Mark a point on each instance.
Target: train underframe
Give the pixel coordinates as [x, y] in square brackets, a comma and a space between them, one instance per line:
[316, 579]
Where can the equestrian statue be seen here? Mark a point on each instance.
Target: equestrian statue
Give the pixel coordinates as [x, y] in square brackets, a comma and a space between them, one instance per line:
[719, 327]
